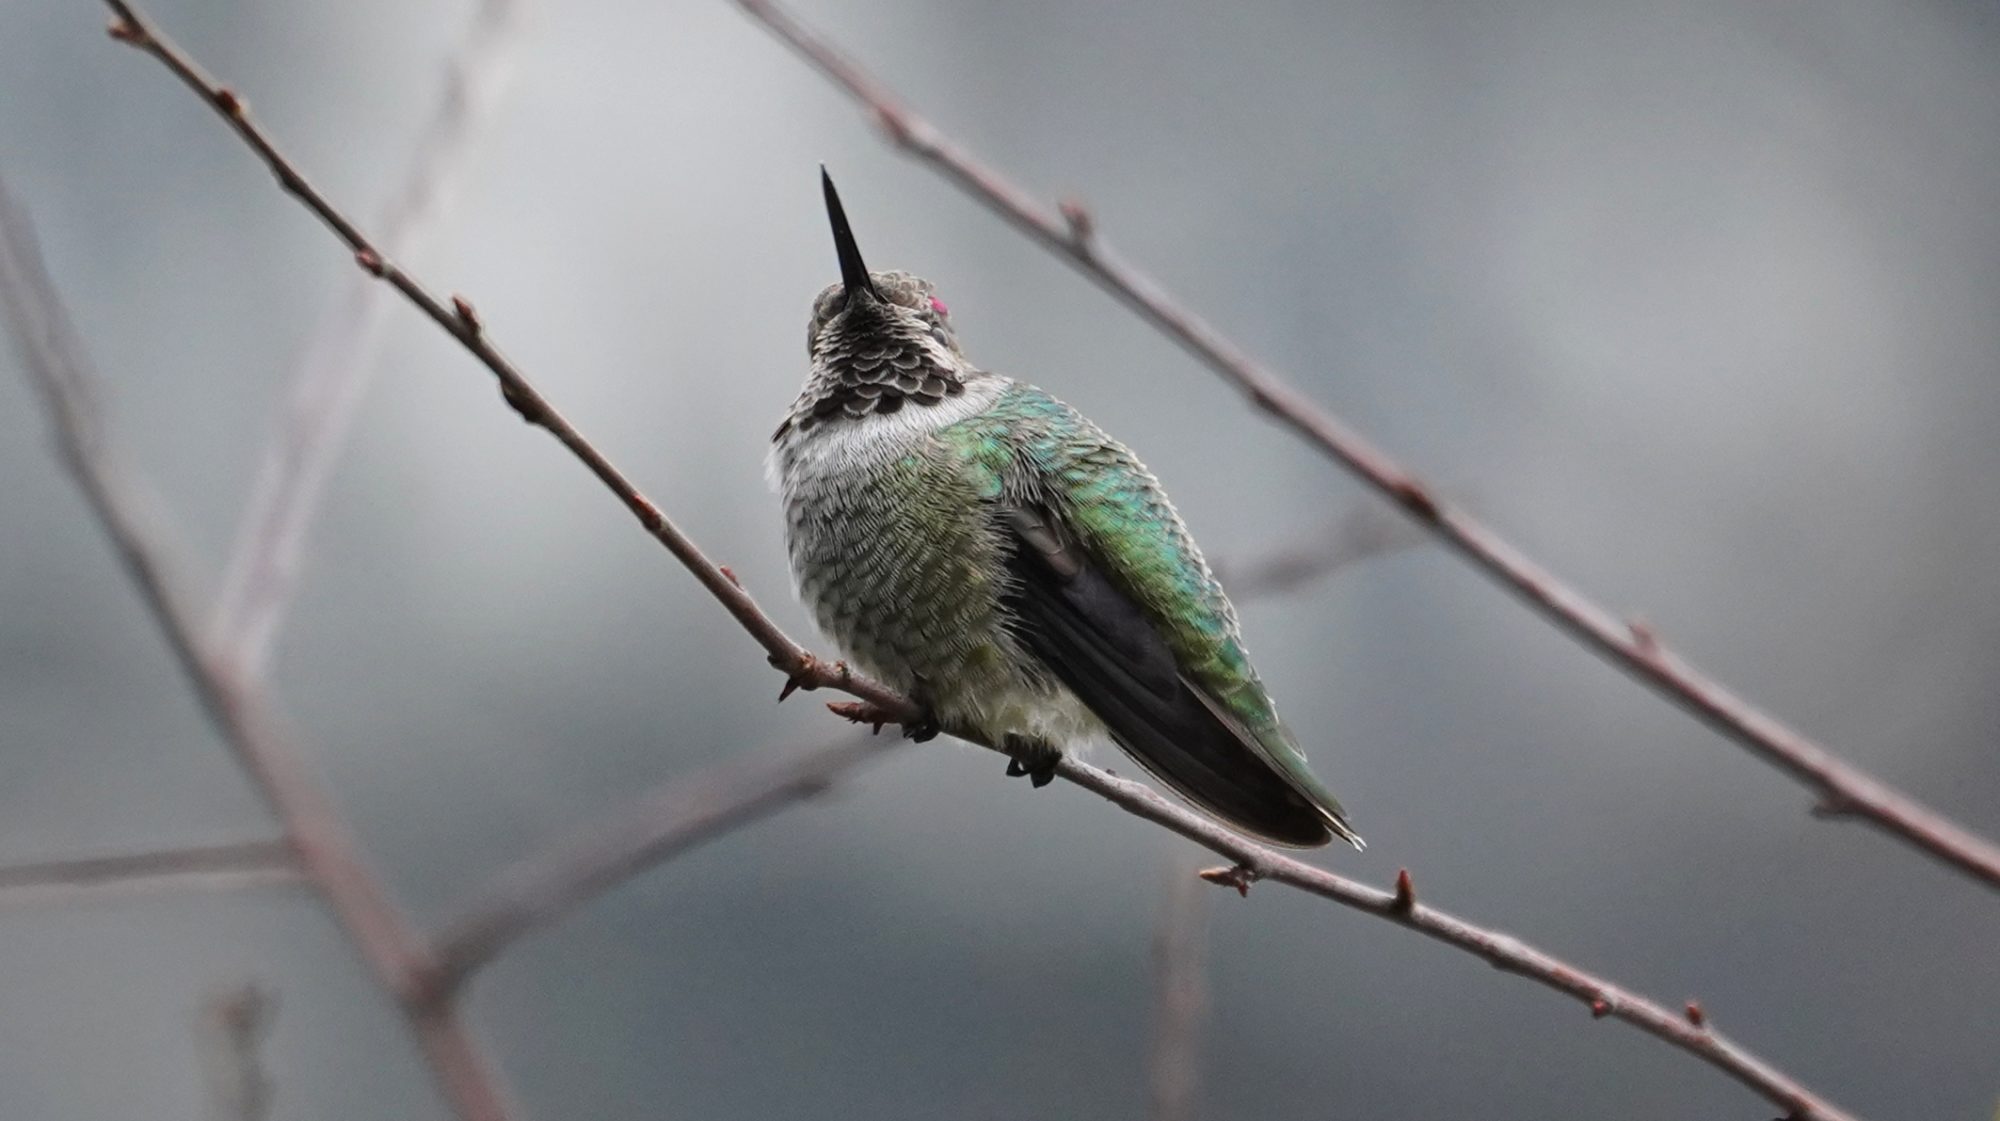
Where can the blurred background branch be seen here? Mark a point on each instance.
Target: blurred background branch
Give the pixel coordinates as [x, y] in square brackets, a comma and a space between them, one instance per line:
[1180, 995]
[340, 356]
[230, 1033]
[242, 712]
[649, 831]
[206, 867]
[1366, 530]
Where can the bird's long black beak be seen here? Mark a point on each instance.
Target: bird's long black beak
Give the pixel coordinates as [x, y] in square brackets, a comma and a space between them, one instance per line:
[853, 274]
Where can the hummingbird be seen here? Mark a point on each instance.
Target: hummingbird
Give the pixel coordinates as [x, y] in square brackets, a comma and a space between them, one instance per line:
[981, 546]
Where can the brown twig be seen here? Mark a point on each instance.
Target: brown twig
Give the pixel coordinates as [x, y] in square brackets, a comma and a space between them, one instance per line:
[264, 744]
[1503, 951]
[1180, 996]
[340, 355]
[804, 670]
[655, 828]
[243, 864]
[1838, 783]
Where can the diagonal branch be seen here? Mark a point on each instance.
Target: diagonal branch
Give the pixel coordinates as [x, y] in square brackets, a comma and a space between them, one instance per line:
[1253, 861]
[340, 355]
[248, 719]
[688, 812]
[461, 322]
[1690, 1032]
[650, 831]
[1843, 789]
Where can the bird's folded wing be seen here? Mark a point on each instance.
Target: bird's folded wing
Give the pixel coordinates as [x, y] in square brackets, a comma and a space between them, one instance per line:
[1101, 644]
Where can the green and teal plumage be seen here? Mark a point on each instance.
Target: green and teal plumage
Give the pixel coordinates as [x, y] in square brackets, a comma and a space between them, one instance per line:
[981, 545]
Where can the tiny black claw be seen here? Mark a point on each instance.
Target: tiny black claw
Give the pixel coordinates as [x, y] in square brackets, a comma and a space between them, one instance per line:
[1034, 760]
[925, 728]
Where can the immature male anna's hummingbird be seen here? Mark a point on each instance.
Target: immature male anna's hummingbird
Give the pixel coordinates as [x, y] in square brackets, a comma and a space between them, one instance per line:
[980, 545]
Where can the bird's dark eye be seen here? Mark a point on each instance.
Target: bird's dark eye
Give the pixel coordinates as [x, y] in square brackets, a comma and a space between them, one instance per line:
[937, 305]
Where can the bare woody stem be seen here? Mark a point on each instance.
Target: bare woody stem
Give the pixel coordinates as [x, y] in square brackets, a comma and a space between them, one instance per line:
[461, 321]
[690, 811]
[1069, 233]
[263, 742]
[1253, 861]
[648, 832]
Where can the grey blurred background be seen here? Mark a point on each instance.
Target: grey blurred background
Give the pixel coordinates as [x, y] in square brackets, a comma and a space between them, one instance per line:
[1696, 302]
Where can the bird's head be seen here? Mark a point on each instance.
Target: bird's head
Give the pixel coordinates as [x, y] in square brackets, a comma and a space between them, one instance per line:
[865, 307]
[878, 340]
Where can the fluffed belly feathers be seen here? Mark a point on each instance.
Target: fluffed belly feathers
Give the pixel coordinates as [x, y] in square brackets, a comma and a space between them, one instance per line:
[902, 565]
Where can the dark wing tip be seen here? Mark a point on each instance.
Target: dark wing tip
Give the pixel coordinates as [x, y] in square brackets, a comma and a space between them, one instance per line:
[1101, 645]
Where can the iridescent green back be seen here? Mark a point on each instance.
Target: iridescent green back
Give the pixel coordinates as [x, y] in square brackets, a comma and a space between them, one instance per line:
[1031, 446]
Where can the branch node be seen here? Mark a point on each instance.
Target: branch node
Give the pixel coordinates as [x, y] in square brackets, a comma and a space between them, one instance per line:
[1238, 876]
[522, 406]
[468, 317]
[370, 262]
[1412, 496]
[1082, 227]
[1643, 636]
[227, 101]
[125, 31]
[809, 674]
[1695, 1015]
[1405, 901]
[729, 574]
[894, 125]
[428, 985]
[1599, 1008]
[1833, 803]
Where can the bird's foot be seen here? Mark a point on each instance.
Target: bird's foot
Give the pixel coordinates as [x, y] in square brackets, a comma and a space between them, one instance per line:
[862, 712]
[1033, 759]
[925, 727]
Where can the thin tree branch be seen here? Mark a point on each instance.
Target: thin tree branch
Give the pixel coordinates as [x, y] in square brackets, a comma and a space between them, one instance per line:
[1180, 996]
[461, 321]
[1690, 1032]
[340, 357]
[1843, 789]
[242, 864]
[650, 831]
[1368, 530]
[262, 740]
[690, 811]
[882, 704]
